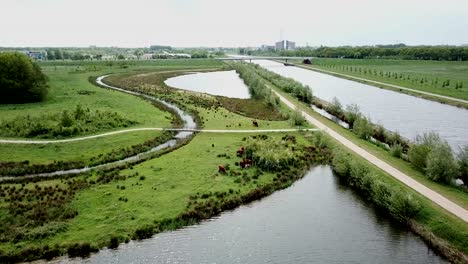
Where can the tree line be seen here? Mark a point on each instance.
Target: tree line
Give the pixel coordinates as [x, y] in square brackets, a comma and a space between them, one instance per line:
[445, 53]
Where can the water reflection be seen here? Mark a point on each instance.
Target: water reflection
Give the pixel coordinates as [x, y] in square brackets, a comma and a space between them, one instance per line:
[405, 114]
[224, 83]
[317, 220]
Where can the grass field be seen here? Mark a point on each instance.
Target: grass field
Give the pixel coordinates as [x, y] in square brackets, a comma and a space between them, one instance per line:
[117, 205]
[428, 76]
[73, 151]
[69, 87]
[161, 193]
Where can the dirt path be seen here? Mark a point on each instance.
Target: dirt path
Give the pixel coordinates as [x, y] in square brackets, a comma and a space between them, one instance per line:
[19, 141]
[422, 189]
[386, 84]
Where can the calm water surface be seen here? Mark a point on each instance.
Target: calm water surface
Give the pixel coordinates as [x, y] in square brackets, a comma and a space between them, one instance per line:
[317, 220]
[406, 114]
[225, 83]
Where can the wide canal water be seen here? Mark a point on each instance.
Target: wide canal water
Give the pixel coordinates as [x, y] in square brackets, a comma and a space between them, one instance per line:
[316, 220]
[405, 114]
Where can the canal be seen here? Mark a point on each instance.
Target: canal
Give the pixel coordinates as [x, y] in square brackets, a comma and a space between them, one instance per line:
[408, 115]
[316, 220]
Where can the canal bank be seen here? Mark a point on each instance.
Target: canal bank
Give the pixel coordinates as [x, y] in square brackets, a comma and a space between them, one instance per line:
[316, 220]
[429, 96]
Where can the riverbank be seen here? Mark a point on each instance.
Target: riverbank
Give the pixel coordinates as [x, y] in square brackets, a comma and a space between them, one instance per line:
[441, 98]
[431, 218]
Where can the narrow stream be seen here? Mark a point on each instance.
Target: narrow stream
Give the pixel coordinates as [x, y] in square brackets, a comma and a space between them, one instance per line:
[189, 123]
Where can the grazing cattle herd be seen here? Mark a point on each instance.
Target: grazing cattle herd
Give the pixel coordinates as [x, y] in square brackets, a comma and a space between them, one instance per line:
[244, 163]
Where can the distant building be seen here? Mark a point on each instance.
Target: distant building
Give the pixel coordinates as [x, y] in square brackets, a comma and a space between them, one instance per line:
[267, 47]
[147, 56]
[285, 45]
[35, 55]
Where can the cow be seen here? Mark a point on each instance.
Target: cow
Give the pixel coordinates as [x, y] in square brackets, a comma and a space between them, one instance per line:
[240, 152]
[255, 123]
[221, 169]
[245, 163]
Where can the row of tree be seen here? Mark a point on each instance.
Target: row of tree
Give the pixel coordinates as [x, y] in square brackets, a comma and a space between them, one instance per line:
[446, 53]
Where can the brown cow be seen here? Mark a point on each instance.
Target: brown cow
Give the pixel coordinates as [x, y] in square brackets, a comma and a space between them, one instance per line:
[221, 169]
[245, 163]
[255, 123]
[240, 152]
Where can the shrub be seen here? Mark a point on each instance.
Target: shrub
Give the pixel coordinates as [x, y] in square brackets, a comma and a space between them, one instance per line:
[396, 150]
[114, 242]
[362, 127]
[79, 250]
[21, 79]
[352, 113]
[441, 165]
[419, 151]
[335, 107]
[296, 118]
[463, 164]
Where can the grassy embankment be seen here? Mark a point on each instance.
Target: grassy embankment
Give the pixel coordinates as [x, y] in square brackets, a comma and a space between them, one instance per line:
[69, 87]
[447, 78]
[436, 225]
[100, 209]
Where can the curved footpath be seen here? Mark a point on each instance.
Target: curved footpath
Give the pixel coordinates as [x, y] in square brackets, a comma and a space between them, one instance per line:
[20, 141]
[386, 84]
[410, 182]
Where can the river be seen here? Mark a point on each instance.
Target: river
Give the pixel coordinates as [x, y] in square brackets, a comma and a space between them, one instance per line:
[316, 220]
[408, 115]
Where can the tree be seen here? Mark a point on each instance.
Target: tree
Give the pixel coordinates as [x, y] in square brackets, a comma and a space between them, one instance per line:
[362, 127]
[463, 164]
[352, 113]
[50, 55]
[139, 53]
[21, 79]
[441, 165]
[335, 107]
[419, 151]
[58, 54]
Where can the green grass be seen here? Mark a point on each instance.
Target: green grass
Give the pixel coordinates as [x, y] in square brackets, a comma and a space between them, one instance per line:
[427, 71]
[163, 194]
[73, 151]
[69, 86]
[67, 90]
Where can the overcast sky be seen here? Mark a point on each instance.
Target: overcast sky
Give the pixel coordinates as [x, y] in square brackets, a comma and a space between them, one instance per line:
[189, 23]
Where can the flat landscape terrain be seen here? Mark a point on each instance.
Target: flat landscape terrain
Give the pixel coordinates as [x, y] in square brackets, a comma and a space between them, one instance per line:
[449, 78]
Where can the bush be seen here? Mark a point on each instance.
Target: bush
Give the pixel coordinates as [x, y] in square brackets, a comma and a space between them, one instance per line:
[463, 164]
[335, 107]
[114, 242]
[21, 79]
[79, 250]
[362, 127]
[396, 150]
[352, 113]
[419, 151]
[296, 118]
[441, 165]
